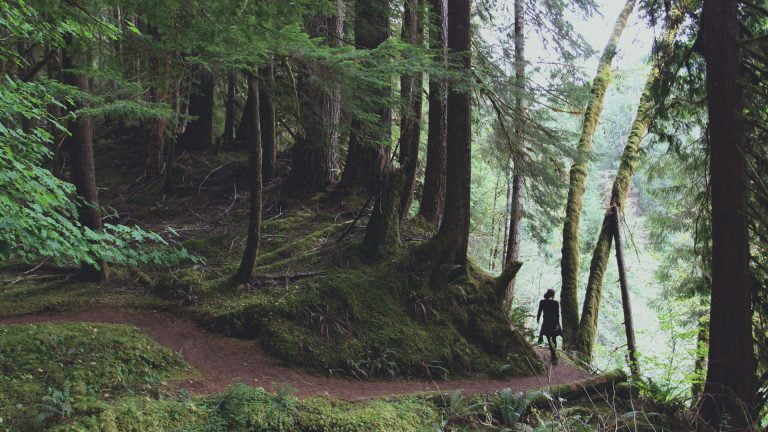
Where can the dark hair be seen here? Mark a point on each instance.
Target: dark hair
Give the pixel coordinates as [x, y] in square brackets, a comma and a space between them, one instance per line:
[549, 294]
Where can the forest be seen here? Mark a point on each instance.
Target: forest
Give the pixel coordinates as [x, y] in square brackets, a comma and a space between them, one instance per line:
[352, 215]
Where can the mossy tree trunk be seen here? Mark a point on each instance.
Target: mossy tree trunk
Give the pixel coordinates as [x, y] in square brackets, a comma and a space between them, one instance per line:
[588, 325]
[411, 89]
[198, 135]
[569, 264]
[81, 153]
[366, 155]
[315, 155]
[267, 122]
[433, 196]
[516, 208]
[700, 362]
[245, 271]
[453, 236]
[730, 389]
[382, 235]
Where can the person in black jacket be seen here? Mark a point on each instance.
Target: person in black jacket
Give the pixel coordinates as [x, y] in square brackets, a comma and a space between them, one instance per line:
[550, 327]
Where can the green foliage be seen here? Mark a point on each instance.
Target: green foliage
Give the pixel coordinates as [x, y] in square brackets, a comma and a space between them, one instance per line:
[51, 372]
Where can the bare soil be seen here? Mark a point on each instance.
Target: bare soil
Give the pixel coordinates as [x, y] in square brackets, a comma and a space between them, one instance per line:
[222, 361]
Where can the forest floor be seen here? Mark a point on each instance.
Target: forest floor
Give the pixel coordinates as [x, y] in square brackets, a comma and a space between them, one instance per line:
[221, 361]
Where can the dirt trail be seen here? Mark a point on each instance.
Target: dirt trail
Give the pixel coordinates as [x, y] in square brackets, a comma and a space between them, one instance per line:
[223, 361]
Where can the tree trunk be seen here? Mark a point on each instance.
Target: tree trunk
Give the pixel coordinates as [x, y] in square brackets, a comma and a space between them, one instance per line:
[366, 156]
[382, 235]
[81, 156]
[228, 137]
[453, 236]
[626, 302]
[241, 136]
[198, 135]
[569, 264]
[315, 154]
[154, 164]
[516, 211]
[731, 376]
[585, 340]
[267, 120]
[411, 88]
[433, 196]
[245, 271]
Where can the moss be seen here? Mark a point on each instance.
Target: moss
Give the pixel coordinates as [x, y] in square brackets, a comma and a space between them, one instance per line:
[53, 371]
[321, 414]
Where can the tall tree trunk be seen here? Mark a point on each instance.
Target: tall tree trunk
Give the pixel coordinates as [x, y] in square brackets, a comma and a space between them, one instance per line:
[81, 155]
[585, 340]
[198, 135]
[626, 302]
[569, 264]
[315, 154]
[731, 376]
[382, 235]
[267, 120]
[228, 138]
[245, 271]
[516, 211]
[433, 196]
[411, 88]
[453, 235]
[154, 164]
[241, 135]
[366, 156]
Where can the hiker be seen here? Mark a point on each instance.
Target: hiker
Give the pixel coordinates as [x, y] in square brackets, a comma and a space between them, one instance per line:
[550, 327]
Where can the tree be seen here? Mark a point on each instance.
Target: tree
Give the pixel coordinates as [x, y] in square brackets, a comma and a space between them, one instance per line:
[569, 264]
[245, 270]
[228, 138]
[433, 196]
[516, 197]
[198, 135]
[729, 392]
[411, 89]
[81, 153]
[366, 157]
[315, 154]
[267, 122]
[453, 235]
[643, 117]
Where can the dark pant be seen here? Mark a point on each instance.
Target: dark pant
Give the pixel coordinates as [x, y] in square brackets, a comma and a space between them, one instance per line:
[552, 342]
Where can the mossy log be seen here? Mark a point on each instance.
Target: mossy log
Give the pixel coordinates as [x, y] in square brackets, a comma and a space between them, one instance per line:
[543, 398]
[569, 265]
[588, 325]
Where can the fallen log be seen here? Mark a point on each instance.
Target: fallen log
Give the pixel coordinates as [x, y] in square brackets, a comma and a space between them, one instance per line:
[575, 390]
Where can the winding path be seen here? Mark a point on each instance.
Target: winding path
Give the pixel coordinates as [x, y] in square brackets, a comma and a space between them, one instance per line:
[223, 360]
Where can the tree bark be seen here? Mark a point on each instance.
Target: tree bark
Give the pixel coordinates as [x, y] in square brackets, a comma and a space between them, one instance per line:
[585, 340]
[700, 363]
[516, 211]
[315, 155]
[453, 236]
[382, 235]
[411, 88]
[731, 376]
[267, 123]
[433, 196]
[245, 271]
[198, 135]
[626, 302]
[241, 135]
[228, 137]
[366, 156]
[569, 264]
[81, 156]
